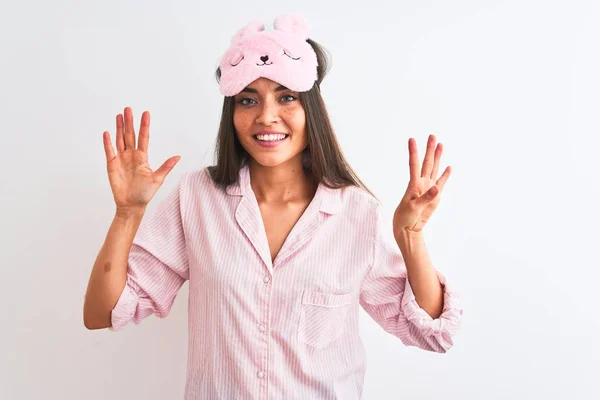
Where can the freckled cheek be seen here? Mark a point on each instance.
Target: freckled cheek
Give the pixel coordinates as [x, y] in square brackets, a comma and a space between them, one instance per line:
[295, 120]
[242, 122]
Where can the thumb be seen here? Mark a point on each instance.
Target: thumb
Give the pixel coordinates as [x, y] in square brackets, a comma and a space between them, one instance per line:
[428, 195]
[433, 192]
[161, 173]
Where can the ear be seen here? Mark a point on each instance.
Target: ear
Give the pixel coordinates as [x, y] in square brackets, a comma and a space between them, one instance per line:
[293, 23]
[251, 28]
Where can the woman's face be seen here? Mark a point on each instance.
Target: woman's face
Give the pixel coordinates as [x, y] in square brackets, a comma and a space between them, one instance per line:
[270, 123]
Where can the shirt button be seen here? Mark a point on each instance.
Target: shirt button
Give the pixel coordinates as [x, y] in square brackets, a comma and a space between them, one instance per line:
[261, 374]
[266, 279]
[261, 328]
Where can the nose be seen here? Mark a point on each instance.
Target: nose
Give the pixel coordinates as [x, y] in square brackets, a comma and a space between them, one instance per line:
[264, 58]
[269, 113]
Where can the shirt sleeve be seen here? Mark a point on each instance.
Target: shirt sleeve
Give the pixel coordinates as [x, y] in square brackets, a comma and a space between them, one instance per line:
[386, 295]
[157, 265]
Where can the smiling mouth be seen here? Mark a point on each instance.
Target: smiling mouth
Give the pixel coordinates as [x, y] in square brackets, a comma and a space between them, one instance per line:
[260, 65]
[270, 140]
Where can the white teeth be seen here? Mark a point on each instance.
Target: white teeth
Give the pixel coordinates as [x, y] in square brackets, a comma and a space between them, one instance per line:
[270, 137]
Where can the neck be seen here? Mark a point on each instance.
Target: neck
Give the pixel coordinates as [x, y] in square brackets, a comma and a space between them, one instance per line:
[281, 184]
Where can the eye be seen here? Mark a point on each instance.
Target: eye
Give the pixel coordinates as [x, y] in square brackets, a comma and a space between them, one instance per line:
[233, 62]
[293, 58]
[289, 97]
[246, 101]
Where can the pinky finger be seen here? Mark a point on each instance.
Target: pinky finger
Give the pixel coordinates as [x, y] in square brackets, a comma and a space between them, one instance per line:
[108, 149]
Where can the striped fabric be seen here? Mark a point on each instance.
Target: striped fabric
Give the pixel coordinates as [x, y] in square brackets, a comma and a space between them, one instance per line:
[286, 329]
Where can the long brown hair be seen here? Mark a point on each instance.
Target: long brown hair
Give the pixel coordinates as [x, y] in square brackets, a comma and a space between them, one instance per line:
[322, 158]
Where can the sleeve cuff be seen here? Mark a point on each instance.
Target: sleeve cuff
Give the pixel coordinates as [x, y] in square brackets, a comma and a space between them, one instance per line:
[124, 310]
[448, 322]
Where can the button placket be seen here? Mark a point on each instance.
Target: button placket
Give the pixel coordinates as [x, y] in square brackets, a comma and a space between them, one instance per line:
[263, 328]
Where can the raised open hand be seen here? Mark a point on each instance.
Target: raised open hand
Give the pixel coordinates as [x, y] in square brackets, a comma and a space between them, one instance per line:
[132, 181]
[424, 189]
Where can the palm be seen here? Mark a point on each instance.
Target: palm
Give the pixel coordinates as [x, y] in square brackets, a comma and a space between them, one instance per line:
[130, 177]
[415, 208]
[419, 188]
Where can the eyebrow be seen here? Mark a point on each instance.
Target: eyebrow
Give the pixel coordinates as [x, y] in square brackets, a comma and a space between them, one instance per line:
[251, 90]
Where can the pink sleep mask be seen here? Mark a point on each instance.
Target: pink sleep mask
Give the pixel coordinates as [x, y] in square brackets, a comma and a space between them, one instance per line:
[282, 55]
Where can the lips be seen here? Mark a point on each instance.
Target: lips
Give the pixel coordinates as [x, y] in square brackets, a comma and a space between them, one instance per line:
[270, 143]
[273, 135]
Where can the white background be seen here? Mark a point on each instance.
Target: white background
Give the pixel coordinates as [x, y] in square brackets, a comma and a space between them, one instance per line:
[511, 88]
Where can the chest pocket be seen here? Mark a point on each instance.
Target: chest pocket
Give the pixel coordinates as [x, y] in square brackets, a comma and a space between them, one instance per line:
[323, 317]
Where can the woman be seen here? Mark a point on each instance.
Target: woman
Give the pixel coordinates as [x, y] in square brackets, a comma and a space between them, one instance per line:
[280, 241]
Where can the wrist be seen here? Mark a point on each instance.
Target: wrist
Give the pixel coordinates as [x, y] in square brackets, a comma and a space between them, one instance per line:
[407, 240]
[128, 213]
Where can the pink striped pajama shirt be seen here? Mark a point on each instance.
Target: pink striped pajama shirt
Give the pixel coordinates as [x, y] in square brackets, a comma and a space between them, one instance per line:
[286, 329]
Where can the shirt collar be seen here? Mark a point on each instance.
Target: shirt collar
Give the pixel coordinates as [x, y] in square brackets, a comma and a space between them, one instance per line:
[329, 199]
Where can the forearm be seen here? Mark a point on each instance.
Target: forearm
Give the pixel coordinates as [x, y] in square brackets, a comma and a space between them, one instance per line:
[421, 274]
[109, 274]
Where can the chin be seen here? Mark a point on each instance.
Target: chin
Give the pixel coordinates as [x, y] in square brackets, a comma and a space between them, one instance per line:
[273, 160]
[270, 161]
